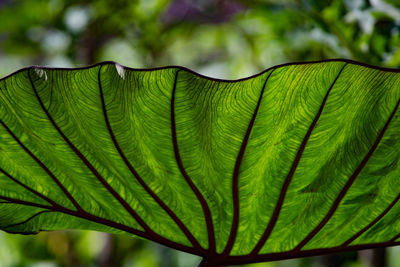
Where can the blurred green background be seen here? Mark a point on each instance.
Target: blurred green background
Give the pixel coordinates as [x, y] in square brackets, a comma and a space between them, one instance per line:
[218, 38]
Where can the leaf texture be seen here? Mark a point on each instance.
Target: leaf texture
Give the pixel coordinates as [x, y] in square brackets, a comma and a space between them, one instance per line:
[301, 159]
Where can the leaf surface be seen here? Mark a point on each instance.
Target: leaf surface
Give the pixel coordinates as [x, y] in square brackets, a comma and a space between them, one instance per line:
[299, 160]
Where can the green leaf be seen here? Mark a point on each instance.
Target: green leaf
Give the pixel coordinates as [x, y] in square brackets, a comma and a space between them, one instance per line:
[302, 159]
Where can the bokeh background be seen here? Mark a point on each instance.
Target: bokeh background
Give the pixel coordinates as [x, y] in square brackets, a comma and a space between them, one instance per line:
[218, 38]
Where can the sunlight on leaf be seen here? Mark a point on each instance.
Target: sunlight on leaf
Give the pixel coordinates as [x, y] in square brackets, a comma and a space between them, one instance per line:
[301, 159]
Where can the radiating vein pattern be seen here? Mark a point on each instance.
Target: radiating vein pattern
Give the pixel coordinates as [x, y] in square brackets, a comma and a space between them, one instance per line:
[299, 160]
[167, 209]
[289, 177]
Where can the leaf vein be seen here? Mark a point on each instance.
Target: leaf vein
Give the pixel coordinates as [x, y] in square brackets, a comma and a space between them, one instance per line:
[99, 177]
[289, 177]
[44, 167]
[235, 175]
[173, 216]
[348, 184]
[199, 196]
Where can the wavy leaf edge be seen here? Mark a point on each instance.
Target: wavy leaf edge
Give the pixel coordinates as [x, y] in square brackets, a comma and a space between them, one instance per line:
[227, 259]
[121, 68]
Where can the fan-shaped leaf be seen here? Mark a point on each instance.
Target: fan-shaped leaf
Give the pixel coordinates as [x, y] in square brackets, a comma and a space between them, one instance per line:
[299, 160]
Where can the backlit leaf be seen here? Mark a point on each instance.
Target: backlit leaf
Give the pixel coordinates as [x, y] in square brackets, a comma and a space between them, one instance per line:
[299, 160]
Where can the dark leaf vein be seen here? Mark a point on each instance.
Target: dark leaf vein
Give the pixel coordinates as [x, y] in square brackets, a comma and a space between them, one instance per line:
[348, 184]
[285, 187]
[99, 177]
[173, 216]
[106, 222]
[377, 219]
[235, 175]
[199, 196]
[27, 220]
[47, 170]
[28, 188]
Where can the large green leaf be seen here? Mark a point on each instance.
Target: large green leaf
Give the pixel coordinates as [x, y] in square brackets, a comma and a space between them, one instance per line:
[299, 160]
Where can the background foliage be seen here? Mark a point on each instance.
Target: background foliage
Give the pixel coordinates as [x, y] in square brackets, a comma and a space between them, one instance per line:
[218, 38]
